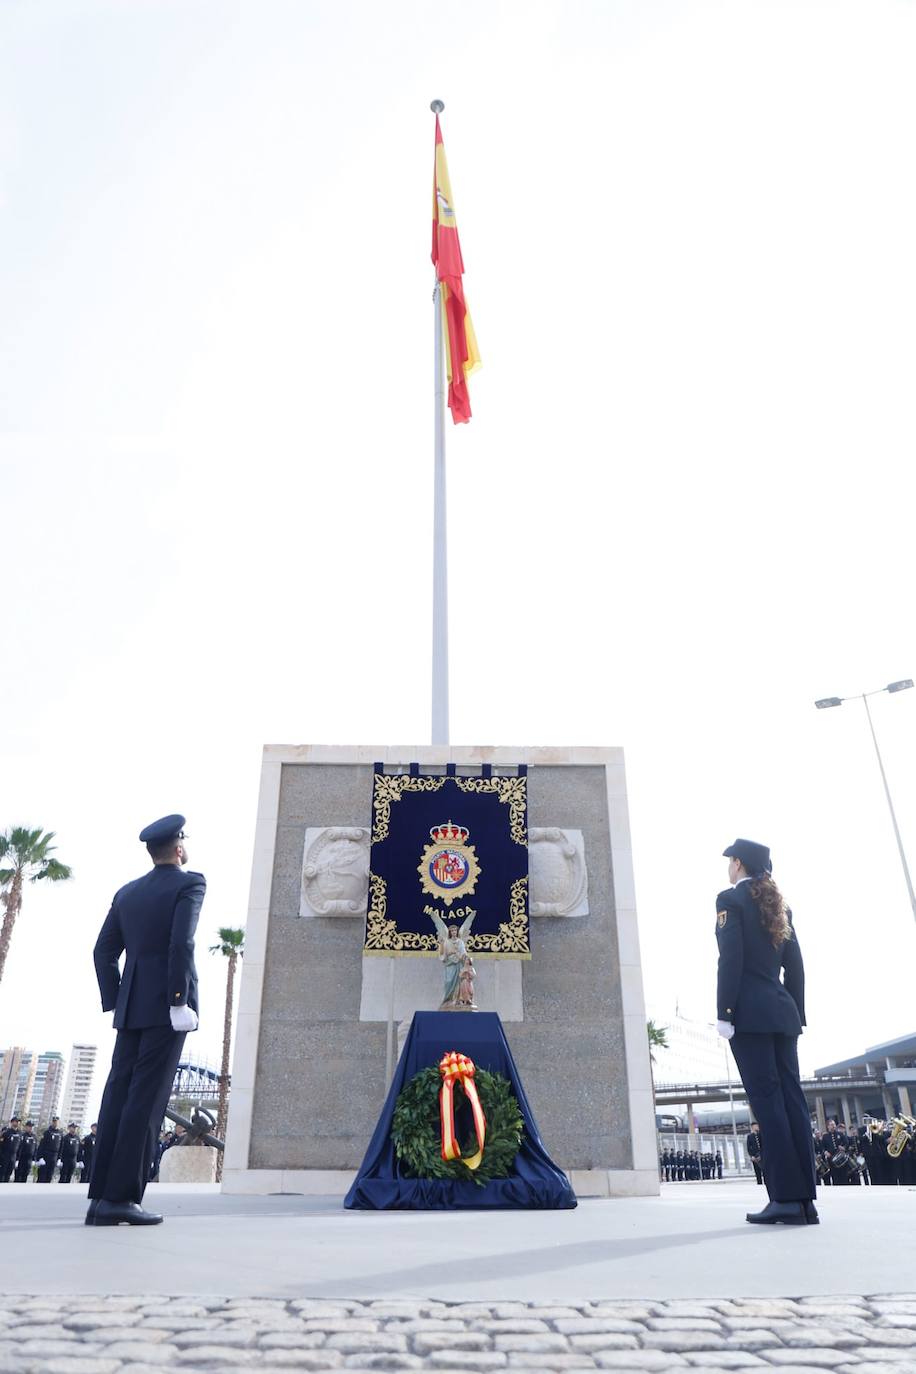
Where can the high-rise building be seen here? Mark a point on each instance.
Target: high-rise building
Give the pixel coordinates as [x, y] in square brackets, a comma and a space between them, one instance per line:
[49, 1079]
[17, 1074]
[27, 1071]
[695, 1053]
[79, 1085]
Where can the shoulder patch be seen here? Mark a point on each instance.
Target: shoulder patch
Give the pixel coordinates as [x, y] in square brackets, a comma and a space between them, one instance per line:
[721, 918]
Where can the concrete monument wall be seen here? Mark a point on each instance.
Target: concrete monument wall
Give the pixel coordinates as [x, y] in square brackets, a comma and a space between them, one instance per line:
[309, 1072]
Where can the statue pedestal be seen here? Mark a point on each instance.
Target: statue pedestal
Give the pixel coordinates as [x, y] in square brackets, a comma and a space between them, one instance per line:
[308, 1077]
[189, 1164]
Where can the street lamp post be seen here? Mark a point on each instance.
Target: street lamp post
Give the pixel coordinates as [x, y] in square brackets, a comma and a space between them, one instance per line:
[901, 686]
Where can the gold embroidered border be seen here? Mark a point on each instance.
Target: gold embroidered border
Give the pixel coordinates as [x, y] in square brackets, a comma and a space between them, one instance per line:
[383, 936]
[512, 792]
[512, 938]
[387, 789]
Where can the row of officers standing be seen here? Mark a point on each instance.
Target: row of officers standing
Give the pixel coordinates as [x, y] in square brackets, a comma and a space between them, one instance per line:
[21, 1148]
[679, 1166]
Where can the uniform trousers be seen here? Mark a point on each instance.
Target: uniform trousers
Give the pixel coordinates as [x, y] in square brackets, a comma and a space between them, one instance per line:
[23, 1169]
[133, 1105]
[6, 1169]
[768, 1065]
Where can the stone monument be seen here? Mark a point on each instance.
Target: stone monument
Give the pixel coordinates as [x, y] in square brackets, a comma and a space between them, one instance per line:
[312, 1044]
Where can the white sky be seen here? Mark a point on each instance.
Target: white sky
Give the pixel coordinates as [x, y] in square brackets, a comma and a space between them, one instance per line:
[681, 512]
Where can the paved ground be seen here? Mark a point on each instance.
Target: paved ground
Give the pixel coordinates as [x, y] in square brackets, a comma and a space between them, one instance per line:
[676, 1283]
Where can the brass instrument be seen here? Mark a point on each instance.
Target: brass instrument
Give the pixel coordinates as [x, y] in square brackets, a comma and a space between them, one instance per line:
[901, 1132]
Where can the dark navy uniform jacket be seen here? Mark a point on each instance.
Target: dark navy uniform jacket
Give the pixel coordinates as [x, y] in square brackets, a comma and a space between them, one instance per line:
[153, 919]
[49, 1147]
[10, 1142]
[69, 1148]
[751, 994]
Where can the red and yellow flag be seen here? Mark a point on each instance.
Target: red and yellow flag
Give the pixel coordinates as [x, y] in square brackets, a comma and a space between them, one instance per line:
[461, 356]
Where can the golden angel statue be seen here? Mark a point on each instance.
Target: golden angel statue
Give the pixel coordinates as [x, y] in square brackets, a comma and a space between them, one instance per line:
[459, 971]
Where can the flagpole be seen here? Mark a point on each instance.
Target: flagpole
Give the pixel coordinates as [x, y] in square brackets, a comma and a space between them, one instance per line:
[440, 721]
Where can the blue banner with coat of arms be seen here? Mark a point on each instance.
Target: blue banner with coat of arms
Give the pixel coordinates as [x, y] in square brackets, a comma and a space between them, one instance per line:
[449, 850]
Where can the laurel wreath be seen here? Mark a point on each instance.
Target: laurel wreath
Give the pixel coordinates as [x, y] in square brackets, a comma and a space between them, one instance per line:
[415, 1129]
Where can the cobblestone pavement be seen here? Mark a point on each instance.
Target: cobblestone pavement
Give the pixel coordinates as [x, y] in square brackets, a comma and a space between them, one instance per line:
[146, 1335]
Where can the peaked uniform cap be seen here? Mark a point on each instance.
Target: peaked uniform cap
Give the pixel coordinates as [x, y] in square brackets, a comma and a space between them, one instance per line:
[755, 857]
[163, 830]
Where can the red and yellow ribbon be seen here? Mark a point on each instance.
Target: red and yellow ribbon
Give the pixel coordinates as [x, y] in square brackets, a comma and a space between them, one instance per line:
[457, 1068]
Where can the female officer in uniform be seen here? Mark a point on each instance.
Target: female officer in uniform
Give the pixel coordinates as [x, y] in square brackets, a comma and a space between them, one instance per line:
[762, 1017]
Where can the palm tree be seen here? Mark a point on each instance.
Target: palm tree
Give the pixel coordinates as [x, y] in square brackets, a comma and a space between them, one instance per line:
[25, 856]
[231, 945]
[658, 1038]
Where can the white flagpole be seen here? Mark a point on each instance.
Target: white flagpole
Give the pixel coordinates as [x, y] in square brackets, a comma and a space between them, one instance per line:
[440, 724]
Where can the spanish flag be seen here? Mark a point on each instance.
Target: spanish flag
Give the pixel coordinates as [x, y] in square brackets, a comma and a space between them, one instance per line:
[461, 356]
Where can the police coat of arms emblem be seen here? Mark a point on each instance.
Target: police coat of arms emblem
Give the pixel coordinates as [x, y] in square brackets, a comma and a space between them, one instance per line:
[448, 869]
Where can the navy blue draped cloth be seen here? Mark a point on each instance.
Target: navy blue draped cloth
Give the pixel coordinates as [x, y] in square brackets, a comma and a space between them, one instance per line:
[535, 1180]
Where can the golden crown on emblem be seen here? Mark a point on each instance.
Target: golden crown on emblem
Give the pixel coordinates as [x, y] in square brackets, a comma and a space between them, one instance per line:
[449, 833]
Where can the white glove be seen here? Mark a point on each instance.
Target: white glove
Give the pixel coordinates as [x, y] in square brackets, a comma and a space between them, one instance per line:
[183, 1018]
[40, 1163]
[79, 1164]
[725, 1029]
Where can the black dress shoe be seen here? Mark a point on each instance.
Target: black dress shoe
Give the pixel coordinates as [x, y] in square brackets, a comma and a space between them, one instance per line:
[93, 1208]
[811, 1216]
[123, 1213]
[786, 1213]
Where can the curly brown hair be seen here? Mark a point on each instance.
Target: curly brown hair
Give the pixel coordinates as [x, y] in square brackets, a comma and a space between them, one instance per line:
[774, 914]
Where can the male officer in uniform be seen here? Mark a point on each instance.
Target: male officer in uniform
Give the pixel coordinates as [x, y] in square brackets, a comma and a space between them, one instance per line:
[87, 1150]
[754, 1150]
[27, 1147]
[10, 1141]
[155, 1004]
[69, 1153]
[48, 1151]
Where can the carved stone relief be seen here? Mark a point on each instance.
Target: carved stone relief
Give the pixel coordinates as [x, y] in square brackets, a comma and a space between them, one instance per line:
[558, 879]
[335, 872]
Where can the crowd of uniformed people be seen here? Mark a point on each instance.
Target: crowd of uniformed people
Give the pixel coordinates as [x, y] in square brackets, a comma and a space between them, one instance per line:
[878, 1153]
[881, 1153]
[680, 1166]
[24, 1155]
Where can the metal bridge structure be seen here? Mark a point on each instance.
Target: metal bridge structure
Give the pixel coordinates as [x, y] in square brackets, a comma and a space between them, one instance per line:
[842, 1096]
[195, 1083]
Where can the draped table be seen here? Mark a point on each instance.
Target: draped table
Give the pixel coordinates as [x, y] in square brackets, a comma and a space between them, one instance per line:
[535, 1181]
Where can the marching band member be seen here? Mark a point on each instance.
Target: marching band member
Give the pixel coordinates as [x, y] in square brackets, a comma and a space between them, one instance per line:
[834, 1147]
